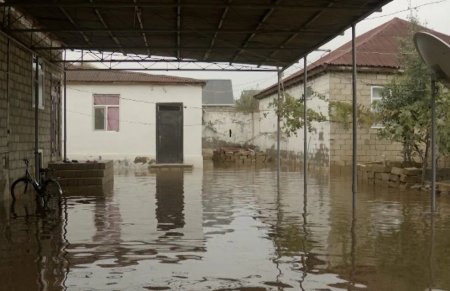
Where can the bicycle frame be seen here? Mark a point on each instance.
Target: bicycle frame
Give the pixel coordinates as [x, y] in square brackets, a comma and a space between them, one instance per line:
[31, 179]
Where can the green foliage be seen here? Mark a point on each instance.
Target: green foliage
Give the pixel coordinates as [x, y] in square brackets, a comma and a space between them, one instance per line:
[291, 112]
[341, 112]
[247, 103]
[405, 109]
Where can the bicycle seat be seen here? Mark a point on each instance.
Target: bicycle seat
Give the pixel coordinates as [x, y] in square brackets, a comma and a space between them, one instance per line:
[26, 161]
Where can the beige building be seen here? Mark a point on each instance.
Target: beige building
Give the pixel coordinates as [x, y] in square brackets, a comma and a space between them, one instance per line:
[331, 77]
[18, 80]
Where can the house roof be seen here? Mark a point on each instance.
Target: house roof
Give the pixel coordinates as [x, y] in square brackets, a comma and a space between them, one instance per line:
[104, 76]
[375, 49]
[260, 32]
[218, 92]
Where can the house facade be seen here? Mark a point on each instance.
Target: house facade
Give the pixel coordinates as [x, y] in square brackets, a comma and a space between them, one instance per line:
[24, 72]
[330, 79]
[122, 116]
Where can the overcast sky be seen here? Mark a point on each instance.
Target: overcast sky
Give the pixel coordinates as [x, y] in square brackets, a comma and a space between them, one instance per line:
[435, 14]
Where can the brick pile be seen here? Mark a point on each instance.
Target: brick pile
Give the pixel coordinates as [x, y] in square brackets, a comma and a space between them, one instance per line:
[235, 155]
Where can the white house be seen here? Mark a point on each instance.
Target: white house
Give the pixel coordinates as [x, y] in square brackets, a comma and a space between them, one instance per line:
[122, 115]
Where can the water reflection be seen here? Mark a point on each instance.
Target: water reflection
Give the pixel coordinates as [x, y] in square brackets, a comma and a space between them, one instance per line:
[169, 199]
[228, 229]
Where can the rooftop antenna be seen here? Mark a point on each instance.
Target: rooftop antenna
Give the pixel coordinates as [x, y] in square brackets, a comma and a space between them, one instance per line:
[436, 54]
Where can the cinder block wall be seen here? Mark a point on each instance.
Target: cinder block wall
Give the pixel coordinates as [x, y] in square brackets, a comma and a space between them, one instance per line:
[371, 148]
[17, 112]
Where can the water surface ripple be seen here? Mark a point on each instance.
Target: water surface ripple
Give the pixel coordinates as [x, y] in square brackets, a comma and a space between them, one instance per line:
[228, 229]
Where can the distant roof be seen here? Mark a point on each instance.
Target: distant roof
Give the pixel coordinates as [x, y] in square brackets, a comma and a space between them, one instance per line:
[218, 92]
[377, 49]
[104, 76]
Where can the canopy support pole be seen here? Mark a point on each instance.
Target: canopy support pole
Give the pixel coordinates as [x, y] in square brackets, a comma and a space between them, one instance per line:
[354, 118]
[278, 126]
[65, 112]
[433, 144]
[305, 125]
[36, 119]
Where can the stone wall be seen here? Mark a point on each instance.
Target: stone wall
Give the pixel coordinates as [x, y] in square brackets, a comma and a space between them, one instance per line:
[224, 126]
[371, 148]
[318, 140]
[17, 112]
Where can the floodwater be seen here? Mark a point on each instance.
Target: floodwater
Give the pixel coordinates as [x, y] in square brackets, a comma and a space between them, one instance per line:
[228, 229]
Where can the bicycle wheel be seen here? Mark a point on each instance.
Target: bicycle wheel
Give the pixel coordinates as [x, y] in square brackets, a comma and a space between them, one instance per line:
[21, 187]
[51, 192]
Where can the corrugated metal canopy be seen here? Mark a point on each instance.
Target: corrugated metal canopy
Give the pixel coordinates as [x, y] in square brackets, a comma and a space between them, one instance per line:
[259, 32]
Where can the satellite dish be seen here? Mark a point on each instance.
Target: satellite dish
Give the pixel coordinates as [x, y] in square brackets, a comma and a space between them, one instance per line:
[436, 54]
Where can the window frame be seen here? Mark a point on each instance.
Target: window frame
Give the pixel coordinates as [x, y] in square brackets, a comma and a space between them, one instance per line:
[105, 108]
[372, 99]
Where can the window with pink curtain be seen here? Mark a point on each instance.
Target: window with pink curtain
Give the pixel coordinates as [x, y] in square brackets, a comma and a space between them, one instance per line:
[106, 112]
[113, 118]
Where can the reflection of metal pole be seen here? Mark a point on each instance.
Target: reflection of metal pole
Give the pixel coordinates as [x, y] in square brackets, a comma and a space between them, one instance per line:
[354, 109]
[305, 240]
[278, 125]
[353, 248]
[430, 259]
[305, 125]
[433, 144]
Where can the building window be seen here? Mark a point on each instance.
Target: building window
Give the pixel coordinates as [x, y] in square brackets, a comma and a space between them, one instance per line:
[106, 112]
[375, 96]
[38, 82]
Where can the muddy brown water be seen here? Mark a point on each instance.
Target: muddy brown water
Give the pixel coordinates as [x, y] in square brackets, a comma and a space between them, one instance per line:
[228, 229]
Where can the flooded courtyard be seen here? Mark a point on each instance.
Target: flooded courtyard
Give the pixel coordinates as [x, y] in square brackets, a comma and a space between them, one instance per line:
[228, 229]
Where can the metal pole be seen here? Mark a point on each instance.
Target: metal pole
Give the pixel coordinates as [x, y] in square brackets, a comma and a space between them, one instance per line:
[354, 117]
[36, 118]
[65, 112]
[305, 125]
[433, 144]
[278, 125]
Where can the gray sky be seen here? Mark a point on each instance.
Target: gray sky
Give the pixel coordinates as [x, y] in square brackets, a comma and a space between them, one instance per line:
[433, 13]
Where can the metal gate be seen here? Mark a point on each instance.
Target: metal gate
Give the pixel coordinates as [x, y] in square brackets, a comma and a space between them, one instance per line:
[169, 133]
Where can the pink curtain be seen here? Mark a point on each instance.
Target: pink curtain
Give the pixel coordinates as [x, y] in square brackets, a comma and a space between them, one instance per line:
[106, 99]
[113, 118]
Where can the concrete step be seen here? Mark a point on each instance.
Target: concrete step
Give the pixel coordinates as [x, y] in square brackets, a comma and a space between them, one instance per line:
[81, 165]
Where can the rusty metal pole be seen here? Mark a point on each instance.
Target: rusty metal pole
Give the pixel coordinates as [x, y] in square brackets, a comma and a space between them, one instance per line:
[305, 126]
[354, 118]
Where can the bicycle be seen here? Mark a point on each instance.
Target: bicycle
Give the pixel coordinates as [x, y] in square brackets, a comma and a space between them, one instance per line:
[47, 189]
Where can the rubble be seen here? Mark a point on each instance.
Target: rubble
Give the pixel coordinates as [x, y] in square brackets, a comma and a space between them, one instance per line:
[238, 155]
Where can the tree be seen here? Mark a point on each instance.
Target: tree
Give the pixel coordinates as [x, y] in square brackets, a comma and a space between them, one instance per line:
[247, 103]
[405, 109]
[341, 112]
[290, 110]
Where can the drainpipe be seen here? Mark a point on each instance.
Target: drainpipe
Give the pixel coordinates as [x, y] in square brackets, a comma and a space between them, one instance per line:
[305, 126]
[36, 119]
[354, 117]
